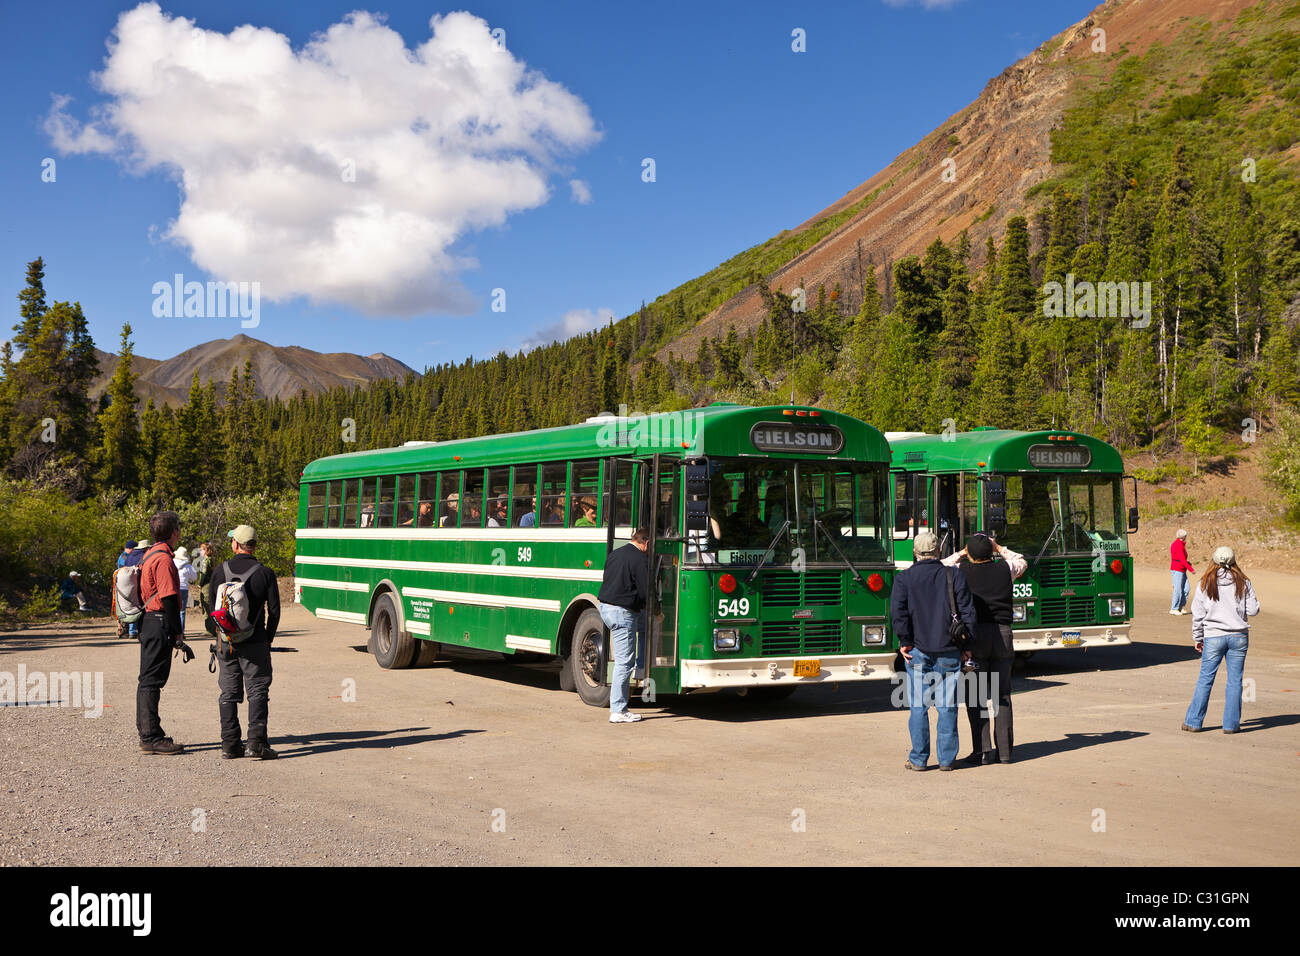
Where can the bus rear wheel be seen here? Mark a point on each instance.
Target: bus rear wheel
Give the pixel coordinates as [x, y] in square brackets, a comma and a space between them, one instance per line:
[587, 659]
[394, 649]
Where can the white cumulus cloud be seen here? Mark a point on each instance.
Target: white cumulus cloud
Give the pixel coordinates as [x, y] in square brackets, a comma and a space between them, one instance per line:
[343, 171]
[574, 322]
[580, 190]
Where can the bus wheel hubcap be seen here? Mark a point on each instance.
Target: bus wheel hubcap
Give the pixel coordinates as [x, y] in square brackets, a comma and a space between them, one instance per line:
[589, 656]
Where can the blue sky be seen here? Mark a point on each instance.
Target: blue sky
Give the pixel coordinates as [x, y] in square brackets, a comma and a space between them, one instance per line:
[460, 192]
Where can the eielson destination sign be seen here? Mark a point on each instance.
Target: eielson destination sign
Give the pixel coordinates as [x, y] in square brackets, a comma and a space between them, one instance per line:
[798, 437]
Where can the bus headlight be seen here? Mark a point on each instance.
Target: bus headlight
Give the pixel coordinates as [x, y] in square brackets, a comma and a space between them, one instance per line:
[873, 634]
[726, 639]
[1118, 607]
[1017, 612]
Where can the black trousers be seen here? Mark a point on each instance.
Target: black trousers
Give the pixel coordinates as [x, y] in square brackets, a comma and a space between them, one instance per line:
[988, 699]
[246, 667]
[155, 667]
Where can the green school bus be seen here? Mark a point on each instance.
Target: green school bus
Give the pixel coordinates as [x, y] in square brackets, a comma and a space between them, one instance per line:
[770, 557]
[1057, 497]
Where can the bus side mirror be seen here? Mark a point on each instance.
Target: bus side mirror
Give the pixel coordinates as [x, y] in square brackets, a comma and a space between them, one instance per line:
[1132, 519]
[697, 496]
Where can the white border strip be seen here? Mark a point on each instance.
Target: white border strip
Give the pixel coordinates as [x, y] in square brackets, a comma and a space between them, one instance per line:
[539, 644]
[348, 617]
[534, 535]
[483, 600]
[449, 567]
[331, 585]
[418, 627]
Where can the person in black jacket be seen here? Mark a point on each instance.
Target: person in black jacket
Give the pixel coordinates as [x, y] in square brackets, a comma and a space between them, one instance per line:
[919, 607]
[991, 646]
[246, 663]
[624, 591]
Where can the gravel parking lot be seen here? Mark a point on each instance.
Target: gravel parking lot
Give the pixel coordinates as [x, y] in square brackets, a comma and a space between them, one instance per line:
[482, 762]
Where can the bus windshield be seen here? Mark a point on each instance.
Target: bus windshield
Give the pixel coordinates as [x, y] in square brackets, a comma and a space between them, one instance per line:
[750, 500]
[1064, 514]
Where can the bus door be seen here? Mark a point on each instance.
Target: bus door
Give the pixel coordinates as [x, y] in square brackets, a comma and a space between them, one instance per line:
[666, 555]
[947, 516]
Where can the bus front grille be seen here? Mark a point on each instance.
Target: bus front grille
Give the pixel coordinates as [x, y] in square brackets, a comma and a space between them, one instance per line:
[810, 589]
[1065, 574]
[811, 637]
[1062, 611]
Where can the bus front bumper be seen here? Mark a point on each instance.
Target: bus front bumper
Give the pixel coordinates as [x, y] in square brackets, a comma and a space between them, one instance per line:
[1064, 638]
[771, 671]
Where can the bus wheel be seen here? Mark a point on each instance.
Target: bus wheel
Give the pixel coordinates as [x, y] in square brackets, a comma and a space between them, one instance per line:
[426, 652]
[394, 649]
[587, 658]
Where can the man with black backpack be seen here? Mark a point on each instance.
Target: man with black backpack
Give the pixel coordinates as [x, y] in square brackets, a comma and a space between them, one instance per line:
[244, 598]
[160, 631]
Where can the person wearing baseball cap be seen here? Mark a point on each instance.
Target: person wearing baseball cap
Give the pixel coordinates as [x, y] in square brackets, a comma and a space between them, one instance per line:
[920, 608]
[245, 665]
[1223, 601]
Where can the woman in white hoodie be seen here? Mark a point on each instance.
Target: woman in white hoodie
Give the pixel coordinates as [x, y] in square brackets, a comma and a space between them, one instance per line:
[1223, 601]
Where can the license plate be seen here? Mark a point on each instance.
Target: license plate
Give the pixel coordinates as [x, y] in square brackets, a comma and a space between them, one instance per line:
[1071, 637]
[807, 668]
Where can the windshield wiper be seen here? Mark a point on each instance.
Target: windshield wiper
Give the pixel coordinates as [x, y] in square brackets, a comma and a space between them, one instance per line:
[1046, 542]
[771, 549]
[818, 526]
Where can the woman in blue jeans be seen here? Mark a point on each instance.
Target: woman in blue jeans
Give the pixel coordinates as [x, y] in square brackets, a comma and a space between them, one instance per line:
[1223, 601]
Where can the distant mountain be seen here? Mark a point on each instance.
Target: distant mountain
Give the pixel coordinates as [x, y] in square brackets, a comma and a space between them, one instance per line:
[281, 371]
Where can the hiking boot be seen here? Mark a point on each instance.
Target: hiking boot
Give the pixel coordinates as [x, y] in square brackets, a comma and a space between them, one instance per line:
[163, 745]
[232, 753]
[261, 751]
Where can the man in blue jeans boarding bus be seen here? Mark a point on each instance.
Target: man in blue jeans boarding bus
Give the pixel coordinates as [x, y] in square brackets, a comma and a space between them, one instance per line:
[623, 593]
[920, 607]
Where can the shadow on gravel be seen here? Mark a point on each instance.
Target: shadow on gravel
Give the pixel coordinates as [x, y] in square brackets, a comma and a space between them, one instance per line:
[43, 642]
[1124, 657]
[1037, 749]
[306, 745]
[1252, 724]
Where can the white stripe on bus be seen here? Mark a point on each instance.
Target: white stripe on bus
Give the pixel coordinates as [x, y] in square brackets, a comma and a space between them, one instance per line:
[517, 642]
[351, 617]
[417, 627]
[331, 585]
[447, 567]
[533, 535]
[483, 600]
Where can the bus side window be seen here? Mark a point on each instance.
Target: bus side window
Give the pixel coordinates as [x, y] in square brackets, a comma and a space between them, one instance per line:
[426, 507]
[387, 496]
[349, 503]
[586, 494]
[623, 487]
[335, 503]
[367, 501]
[471, 499]
[498, 503]
[667, 507]
[525, 491]
[449, 500]
[316, 504]
[406, 500]
[554, 495]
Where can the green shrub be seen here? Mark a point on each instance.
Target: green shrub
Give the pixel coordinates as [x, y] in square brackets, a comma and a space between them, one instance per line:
[1282, 460]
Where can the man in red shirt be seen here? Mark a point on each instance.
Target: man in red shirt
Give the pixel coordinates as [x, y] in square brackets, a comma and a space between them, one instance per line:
[1179, 569]
[160, 631]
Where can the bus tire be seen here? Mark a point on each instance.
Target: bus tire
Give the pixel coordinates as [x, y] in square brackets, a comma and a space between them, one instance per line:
[584, 653]
[426, 652]
[393, 649]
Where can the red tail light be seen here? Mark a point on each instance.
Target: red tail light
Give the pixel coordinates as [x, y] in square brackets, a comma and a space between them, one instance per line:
[875, 582]
[1117, 566]
[727, 583]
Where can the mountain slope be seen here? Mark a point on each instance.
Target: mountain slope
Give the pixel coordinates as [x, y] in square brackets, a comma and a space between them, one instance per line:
[999, 147]
[281, 371]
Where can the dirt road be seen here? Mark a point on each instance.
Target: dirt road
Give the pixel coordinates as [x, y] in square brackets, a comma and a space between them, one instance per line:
[474, 762]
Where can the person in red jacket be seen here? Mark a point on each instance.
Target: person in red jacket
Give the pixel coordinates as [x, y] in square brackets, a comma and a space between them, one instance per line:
[1179, 569]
